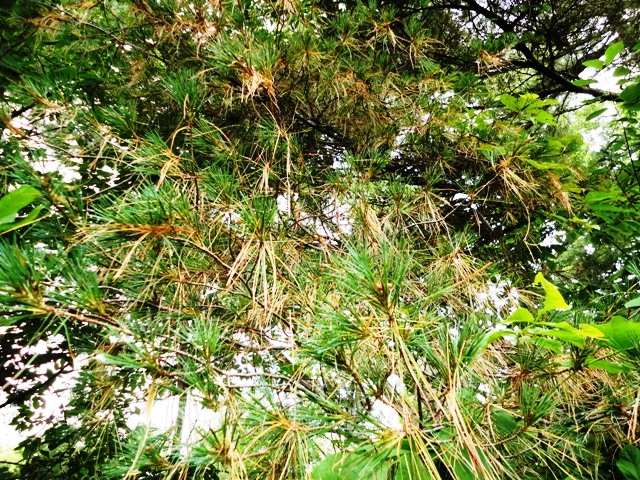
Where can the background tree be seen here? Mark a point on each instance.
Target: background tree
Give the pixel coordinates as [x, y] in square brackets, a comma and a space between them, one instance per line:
[309, 220]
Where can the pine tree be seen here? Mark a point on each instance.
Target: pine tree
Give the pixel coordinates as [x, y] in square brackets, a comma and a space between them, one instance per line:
[307, 229]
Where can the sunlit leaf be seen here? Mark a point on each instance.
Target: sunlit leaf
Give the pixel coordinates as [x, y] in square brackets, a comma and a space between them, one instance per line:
[612, 52]
[595, 197]
[553, 298]
[572, 337]
[621, 333]
[495, 335]
[584, 82]
[597, 64]
[509, 101]
[590, 331]
[520, 315]
[604, 207]
[544, 117]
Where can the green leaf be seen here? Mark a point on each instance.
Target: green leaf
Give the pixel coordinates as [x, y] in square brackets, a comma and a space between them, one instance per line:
[528, 100]
[520, 315]
[571, 337]
[583, 82]
[595, 197]
[595, 114]
[597, 64]
[505, 423]
[633, 303]
[16, 200]
[7, 321]
[410, 467]
[621, 333]
[347, 465]
[604, 208]
[31, 218]
[631, 94]
[553, 298]
[546, 165]
[621, 71]
[629, 463]
[543, 117]
[607, 366]
[590, 331]
[553, 345]
[612, 52]
[495, 335]
[462, 465]
[509, 101]
[547, 101]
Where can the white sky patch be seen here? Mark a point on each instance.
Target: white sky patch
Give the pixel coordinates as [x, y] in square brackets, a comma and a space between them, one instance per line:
[484, 391]
[163, 415]
[44, 248]
[604, 79]
[230, 217]
[460, 196]
[444, 97]
[339, 212]
[399, 141]
[499, 298]
[113, 175]
[340, 164]
[68, 174]
[48, 162]
[386, 415]
[211, 290]
[21, 123]
[396, 384]
[56, 399]
[556, 237]
[284, 202]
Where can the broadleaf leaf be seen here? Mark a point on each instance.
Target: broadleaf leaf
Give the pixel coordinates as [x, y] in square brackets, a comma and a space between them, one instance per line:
[595, 114]
[597, 64]
[553, 298]
[629, 463]
[16, 200]
[612, 52]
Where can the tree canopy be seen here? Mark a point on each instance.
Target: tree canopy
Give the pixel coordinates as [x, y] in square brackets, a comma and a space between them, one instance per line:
[342, 239]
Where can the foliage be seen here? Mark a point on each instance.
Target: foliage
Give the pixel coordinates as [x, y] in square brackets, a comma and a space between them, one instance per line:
[312, 229]
[629, 463]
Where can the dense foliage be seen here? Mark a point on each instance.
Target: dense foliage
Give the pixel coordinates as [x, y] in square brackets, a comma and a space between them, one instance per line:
[337, 239]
